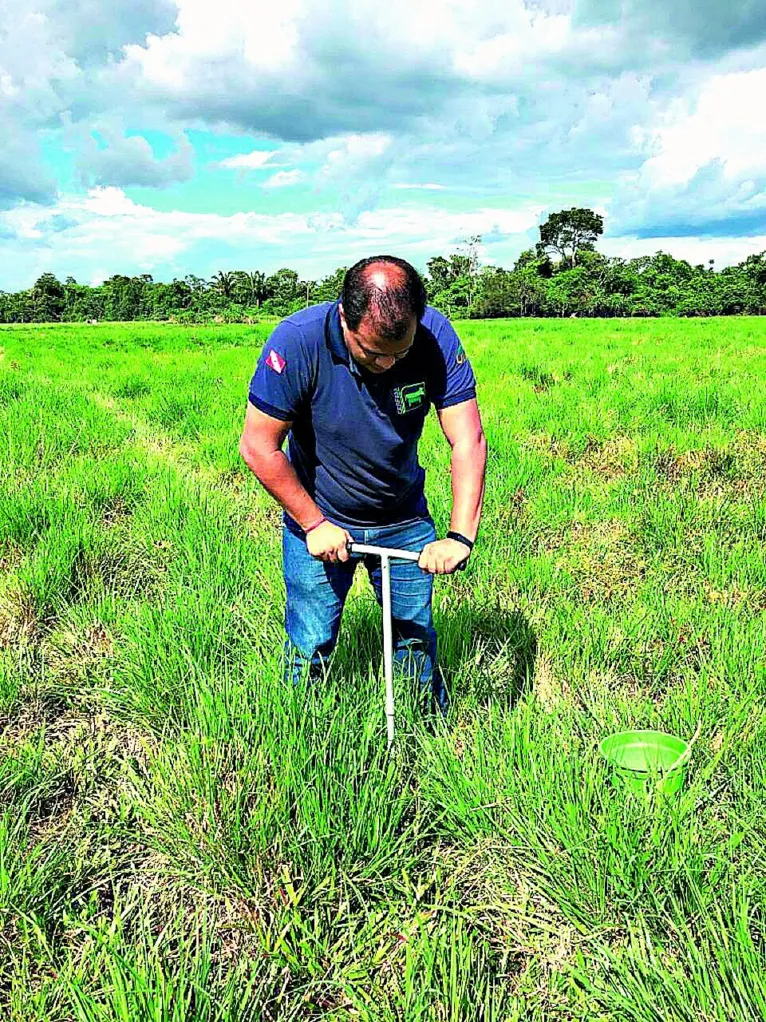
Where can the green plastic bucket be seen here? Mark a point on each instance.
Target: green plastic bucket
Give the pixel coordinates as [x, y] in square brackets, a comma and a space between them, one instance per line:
[646, 761]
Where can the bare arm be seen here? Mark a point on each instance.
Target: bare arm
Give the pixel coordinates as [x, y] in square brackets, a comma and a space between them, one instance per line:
[261, 448]
[461, 425]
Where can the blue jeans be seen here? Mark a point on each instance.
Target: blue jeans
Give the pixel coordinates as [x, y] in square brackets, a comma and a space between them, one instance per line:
[317, 591]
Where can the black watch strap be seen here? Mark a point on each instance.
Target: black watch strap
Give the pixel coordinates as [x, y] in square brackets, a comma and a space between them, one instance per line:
[460, 538]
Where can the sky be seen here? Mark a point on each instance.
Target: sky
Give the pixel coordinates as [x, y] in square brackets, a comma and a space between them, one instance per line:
[183, 136]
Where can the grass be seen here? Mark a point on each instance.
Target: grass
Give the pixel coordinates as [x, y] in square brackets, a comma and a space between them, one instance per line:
[182, 837]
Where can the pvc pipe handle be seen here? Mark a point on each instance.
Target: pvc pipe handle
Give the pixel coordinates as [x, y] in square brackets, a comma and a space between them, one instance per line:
[386, 551]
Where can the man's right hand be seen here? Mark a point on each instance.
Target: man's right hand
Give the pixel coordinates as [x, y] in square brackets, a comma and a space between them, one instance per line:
[328, 542]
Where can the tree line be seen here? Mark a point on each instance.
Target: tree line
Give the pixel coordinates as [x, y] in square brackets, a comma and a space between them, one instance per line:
[563, 275]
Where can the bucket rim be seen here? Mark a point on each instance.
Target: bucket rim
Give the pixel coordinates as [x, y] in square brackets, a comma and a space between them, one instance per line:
[680, 763]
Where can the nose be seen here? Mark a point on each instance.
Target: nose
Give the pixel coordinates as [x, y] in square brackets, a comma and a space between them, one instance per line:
[387, 362]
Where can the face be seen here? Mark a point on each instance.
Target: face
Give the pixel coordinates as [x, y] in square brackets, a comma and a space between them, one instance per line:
[370, 351]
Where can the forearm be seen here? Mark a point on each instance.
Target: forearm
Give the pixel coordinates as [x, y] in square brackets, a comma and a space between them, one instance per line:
[277, 476]
[468, 467]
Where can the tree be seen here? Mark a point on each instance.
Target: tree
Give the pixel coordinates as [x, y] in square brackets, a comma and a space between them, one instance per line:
[581, 281]
[223, 284]
[17, 307]
[48, 298]
[569, 292]
[284, 292]
[126, 298]
[439, 275]
[755, 268]
[470, 263]
[307, 289]
[82, 302]
[328, 289]
[451, 283]
[250, 287]
[569, 232]
[530, 289]
[518, 292]
[167, 301]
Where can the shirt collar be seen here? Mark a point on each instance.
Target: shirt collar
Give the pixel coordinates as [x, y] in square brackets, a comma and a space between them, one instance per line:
[334, 334]
[335, 341]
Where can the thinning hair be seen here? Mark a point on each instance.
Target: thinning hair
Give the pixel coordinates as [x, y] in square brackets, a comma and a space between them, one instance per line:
[390, 307]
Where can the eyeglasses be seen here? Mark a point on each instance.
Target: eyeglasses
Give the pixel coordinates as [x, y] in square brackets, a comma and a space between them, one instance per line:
[376, 356]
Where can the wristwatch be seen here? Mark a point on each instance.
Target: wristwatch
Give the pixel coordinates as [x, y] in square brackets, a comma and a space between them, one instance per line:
[467, 542]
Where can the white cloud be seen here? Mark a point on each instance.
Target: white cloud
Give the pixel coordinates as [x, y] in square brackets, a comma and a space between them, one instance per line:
[52, 59]
[704, 172]
[427, 186]
[502, 56]
[726, 121]
[126, 160]
[704, 28]
[102, 202]
[249, 161]
[357, 150]
[725, 251]
[283, 179]
[307, 69]
[107, 229]
[7, 87]
[590, 102]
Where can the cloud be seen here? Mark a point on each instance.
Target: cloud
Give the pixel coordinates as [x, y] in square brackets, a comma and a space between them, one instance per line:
[22, 176]
[108, 233]
[724, 250]
[724, 121]
[705, 167]
[353, 167]
[646, 108]
[425, 187]
[129, 237]
[53, 54]
[706, 27]
[129, 160]
[708, 204]
[357, 167]
[283, 179]
[31, 66]
[107, 202]
[89, 33]
[298, 72]
[254, 160]
[57, 222]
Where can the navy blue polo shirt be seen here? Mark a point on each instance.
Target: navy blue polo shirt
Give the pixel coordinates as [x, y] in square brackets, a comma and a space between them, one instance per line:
[354, 435]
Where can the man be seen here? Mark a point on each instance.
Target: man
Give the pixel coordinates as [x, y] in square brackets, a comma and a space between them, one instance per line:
[351, 382]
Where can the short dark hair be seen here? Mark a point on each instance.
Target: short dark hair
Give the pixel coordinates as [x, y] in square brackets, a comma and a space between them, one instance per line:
[391, 308]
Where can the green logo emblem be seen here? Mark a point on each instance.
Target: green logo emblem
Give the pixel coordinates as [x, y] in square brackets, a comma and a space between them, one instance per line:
[410, 397]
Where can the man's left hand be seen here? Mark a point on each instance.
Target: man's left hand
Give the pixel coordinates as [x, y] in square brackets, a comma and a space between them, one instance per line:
[443, 556]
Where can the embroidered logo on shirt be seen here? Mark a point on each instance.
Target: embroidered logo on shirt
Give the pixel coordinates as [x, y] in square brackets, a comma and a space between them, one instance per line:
[460, 356]
[275, 361]
[410, 397]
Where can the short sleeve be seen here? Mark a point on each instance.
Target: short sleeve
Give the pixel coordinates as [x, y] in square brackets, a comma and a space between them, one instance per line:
[281, 382]
[458, 382]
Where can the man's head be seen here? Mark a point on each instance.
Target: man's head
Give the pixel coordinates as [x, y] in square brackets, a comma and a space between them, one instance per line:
[383, 301]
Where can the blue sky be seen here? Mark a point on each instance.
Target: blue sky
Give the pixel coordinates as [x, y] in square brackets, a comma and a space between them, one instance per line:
[164, 137]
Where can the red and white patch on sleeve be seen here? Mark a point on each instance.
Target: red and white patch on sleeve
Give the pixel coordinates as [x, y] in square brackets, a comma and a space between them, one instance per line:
[275, 361]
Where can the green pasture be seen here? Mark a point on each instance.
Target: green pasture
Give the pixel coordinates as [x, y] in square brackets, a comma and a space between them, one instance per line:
[184, 838]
